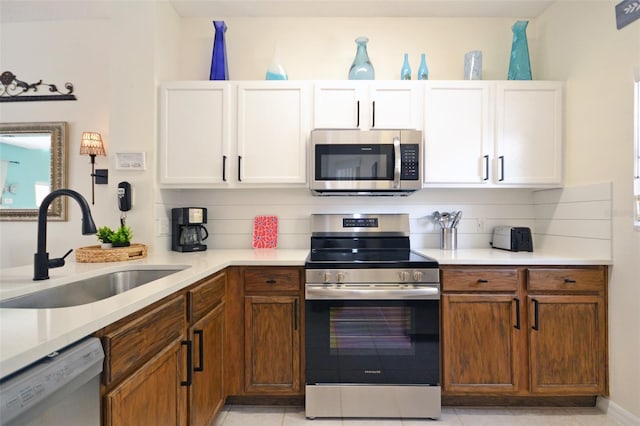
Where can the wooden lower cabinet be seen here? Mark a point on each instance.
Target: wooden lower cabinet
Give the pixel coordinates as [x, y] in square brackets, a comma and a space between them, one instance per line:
[264, 332]
[567, 344]
[205, 312]
[481, 349]
[153, 395]
[272, 344]
[164, 364]
[529, 332]
[206, 393]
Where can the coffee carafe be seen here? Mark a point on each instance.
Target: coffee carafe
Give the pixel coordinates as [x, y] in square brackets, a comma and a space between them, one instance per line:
[187, 229]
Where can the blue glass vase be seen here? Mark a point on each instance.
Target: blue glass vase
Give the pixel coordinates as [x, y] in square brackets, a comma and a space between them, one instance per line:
[519, 64]
[361, 69]
[219, 69]
[423, 70]
[405, 71]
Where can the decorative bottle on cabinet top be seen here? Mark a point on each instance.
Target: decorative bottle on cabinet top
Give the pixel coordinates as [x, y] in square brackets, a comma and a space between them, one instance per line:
[423, 71]
[405, 72]
[219, 69]
[361, 69]
[519, 64]
[276, 71]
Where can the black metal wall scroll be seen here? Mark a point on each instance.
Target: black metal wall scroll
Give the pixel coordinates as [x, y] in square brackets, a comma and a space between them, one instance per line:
[14, 90]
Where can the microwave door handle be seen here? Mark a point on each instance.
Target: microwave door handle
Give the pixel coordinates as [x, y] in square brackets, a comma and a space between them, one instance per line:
[398, 163]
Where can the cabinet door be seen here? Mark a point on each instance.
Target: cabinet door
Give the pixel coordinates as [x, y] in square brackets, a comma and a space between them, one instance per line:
[272, 132]
[340, 105]
[529, 118]
[394, 105]
[272, 344]
[206, 396]
[457, 132]
[194, 134]
[152, 395]
[567, 338]
[481, 343]
[367, 105]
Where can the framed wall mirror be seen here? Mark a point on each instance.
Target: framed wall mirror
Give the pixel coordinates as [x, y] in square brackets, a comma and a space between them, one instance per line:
[33, 162]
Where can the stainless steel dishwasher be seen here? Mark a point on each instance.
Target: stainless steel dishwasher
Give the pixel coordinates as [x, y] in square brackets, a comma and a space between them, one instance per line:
[61, 389]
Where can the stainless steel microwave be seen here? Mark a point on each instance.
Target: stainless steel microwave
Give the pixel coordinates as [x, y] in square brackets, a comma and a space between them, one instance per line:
[366, 162]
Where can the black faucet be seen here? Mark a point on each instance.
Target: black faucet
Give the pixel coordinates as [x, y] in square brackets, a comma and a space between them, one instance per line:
[41, 262]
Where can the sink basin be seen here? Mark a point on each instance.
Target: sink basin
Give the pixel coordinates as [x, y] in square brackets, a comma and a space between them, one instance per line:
[88, 290]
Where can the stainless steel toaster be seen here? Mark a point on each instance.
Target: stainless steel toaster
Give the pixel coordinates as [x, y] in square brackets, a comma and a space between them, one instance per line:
[512, 238]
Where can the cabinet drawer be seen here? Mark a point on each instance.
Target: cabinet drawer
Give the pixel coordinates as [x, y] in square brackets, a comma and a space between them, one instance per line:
[479, 279]
[566, 279]
[272, 279]
[205, 295]
[141, 337]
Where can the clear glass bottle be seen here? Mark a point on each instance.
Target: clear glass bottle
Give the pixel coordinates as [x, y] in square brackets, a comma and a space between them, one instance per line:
[423, 70]
[361, 69]
[405, 72]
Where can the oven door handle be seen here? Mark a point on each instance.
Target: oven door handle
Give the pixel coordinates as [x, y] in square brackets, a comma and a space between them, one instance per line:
[397, 163]
[323, 292]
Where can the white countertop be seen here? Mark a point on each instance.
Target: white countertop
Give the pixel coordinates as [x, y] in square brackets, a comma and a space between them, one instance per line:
[27, 335]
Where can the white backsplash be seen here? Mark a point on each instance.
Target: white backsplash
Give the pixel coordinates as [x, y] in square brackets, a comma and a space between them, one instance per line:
[575, 220]
[569, 220]
[231, 213]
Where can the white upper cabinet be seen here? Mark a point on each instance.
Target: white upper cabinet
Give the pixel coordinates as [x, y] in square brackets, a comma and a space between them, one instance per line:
[367, 105]
[484, 133]
[457, 132]
[529, 130]
[194, 133]
[272, 130]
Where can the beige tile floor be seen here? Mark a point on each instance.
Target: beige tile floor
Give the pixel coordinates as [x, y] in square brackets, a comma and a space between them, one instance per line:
[235, 415]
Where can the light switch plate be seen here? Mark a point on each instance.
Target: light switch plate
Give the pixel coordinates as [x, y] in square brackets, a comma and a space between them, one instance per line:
[131, 161]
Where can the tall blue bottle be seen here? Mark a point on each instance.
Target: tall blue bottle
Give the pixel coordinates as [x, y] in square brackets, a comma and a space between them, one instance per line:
[219, 69]
[519, 64]
[423, 71]
[405, 71]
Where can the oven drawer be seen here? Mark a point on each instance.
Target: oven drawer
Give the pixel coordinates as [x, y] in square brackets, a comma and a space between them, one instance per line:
[479, 279]
[272, 279]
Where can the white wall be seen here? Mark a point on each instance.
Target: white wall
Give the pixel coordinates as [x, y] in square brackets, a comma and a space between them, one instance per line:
[58, 52]
[324, 48]
[582, 46]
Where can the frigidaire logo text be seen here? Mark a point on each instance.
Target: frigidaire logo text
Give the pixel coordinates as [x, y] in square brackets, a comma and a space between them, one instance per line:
[372, 371]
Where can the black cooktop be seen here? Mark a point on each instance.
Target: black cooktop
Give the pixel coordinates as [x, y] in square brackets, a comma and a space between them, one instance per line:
[375, 252]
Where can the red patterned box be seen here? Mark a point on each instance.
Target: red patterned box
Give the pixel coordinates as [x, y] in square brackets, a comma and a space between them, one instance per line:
[265, 232]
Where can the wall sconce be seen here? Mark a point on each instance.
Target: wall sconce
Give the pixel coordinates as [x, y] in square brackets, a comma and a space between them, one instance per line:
[92, 145]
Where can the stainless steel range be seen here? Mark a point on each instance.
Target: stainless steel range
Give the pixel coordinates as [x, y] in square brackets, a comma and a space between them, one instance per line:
[372, 332]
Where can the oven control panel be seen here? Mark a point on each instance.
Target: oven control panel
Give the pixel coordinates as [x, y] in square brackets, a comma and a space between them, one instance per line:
[376, 275]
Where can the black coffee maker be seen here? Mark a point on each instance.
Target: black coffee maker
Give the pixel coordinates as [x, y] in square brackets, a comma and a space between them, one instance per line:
[187, 230]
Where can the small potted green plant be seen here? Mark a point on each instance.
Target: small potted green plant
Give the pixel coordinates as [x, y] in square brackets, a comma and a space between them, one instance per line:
[122, 236]
[104, 235]
[118, 238]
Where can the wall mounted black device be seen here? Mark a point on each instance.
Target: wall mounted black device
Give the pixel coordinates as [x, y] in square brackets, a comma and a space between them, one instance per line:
[124, 196]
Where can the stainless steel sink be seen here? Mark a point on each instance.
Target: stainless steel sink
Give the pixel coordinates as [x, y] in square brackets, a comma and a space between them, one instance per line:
[88, 290]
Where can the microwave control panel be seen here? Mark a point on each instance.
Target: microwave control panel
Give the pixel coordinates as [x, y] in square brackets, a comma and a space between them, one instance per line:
[409, 162]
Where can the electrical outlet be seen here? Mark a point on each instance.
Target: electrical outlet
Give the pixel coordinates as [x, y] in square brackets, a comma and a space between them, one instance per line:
[163, 227]
[479, 225]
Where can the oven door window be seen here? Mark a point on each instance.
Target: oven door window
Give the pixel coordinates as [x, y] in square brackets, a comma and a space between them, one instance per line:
[381, 342]
[354, 162]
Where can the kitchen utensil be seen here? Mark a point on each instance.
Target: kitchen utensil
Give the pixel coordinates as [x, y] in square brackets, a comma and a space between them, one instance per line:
[456, 218]
[445, 220]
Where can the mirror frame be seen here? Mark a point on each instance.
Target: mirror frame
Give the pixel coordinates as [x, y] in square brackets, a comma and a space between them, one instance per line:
[58, 131]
